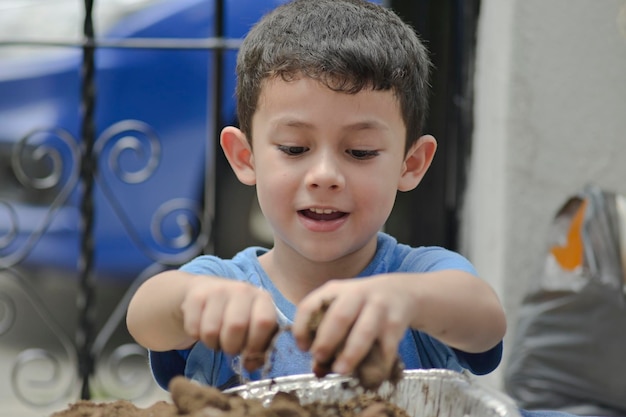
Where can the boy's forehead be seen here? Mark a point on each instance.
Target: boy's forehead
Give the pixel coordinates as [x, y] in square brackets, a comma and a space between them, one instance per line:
[287, 78]
[290, 102]
[269, 86]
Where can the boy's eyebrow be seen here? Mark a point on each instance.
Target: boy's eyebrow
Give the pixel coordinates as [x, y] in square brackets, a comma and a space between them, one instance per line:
[360, 125]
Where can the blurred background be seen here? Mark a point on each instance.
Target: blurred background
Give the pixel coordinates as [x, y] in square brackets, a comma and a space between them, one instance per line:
[110, 170]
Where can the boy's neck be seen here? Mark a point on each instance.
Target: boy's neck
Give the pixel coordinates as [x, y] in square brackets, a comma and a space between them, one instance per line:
[295, 276]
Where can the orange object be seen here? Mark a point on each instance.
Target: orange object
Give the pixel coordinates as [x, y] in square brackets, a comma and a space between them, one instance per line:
[570, 256]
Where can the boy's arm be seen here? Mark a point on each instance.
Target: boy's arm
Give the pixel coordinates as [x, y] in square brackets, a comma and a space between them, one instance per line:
[458, 308]
[455, 307]
[174, 309]
[154, 317]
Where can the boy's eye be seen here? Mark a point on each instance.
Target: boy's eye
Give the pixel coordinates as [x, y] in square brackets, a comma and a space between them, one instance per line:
[361, 154]
[292, 150]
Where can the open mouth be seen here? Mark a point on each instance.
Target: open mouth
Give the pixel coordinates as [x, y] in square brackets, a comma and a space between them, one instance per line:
[322, 214]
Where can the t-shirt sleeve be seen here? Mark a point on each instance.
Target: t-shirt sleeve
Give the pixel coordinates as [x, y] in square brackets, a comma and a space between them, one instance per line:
[167, 365]
[439, 259]
[207, 265]
[480, 363]
[420, 350]
[434, 258]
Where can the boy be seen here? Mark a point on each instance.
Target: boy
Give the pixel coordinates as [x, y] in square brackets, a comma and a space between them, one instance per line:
[331, 98]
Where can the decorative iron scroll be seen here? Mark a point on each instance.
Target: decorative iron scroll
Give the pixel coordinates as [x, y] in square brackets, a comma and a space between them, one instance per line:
[123, 373]
[119, 373]
[39, 377]
[53, 176]
[54, 162]
[138, 137]
[8, 312]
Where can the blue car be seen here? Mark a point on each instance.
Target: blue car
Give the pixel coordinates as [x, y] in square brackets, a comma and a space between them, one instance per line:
[155, 141]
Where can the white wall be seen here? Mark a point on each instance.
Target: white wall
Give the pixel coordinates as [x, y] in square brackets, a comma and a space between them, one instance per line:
[550, 116]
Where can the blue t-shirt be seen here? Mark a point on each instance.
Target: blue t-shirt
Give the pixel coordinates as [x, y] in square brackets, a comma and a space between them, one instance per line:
[417, 349]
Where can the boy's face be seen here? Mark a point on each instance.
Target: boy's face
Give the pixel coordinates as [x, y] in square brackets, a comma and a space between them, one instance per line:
[327, 166]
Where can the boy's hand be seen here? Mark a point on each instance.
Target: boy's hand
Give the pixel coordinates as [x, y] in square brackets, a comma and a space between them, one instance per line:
[362, 312]
[231, 316]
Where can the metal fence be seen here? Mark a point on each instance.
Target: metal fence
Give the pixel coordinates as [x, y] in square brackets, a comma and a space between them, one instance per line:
[45, 367]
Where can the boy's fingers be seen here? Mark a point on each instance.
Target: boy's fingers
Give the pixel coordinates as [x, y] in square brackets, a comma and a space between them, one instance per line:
[321, 369]
[236, 322]
[252, 362]
[192, 318]
[308, 319]
[263, 325]
[300, 326]
[210, 322]
[381, 362]
[191, 309]
[363, 334]
[310, 312]
[393, 364]
[334, 328]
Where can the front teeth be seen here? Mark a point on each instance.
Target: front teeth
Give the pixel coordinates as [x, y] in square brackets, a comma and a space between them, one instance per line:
[322, 211]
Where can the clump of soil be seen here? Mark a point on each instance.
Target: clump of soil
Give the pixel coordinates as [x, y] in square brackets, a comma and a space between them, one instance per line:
[120, 408]
[193, 400]
[371, 372]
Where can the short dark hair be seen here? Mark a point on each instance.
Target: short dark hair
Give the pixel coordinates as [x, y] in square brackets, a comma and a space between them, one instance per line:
[348, 45]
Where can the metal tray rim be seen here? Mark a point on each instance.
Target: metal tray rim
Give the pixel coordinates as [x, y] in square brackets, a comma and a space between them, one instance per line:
[500, 404]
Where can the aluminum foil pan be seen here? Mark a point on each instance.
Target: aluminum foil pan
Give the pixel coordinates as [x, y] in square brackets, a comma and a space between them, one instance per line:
[421, 392]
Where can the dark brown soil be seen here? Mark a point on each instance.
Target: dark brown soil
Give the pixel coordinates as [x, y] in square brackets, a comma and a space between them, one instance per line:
[193, 400]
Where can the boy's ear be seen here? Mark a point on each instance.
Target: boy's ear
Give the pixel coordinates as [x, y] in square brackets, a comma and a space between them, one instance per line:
[239, 154]
[416, 162]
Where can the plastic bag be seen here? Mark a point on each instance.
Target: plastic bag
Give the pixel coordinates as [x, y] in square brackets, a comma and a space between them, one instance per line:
[569, 349]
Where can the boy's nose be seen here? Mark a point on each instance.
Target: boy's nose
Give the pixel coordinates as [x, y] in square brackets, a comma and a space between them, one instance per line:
[325, 173]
